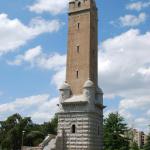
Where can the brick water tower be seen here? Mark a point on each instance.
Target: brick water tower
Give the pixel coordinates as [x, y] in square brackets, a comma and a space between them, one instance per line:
[80, 118]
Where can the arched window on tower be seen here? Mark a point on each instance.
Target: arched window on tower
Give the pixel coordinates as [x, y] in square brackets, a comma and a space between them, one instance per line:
[73, 128]
[79, 4]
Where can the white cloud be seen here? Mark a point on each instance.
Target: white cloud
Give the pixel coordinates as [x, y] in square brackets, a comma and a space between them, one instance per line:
[40, 107]
[127, 73]
[138, 5]
[23, 102]
[144, 71]
[36, 58]
[54, 61]
[46, 111]
[39, 25]
[141, 121]
[1, 93]
[52, 6]
[141, 102]
[59, 77]
[126, 54]
[13, 33]
[148, 112]
[28, 56]
[132, 20]
[32, 53]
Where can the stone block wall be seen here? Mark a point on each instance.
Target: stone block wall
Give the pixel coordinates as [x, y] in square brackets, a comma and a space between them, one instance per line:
[88, 131]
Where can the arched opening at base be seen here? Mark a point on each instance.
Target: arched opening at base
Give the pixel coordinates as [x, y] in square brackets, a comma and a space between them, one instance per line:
[73, 128]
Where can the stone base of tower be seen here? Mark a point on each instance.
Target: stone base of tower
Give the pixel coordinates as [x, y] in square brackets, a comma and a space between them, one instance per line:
[80, 118]
[87, 134]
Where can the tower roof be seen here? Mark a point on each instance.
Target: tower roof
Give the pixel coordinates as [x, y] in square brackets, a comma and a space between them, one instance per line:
[99, 90]
[65, 86]
[81, 5]
[88, 84]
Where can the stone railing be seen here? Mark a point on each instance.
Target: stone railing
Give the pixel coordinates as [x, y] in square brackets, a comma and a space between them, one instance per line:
[31, 148]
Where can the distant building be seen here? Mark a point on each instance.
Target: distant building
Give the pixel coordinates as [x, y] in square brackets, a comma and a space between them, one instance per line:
[139, 137]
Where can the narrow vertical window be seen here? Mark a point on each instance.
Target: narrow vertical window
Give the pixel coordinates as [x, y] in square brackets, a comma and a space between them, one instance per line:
[79, 4]
[78, 49]
[73, 129]
[77, 74]
[78, 25]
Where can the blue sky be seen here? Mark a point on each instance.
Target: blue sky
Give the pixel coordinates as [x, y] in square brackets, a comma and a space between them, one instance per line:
[33, 43]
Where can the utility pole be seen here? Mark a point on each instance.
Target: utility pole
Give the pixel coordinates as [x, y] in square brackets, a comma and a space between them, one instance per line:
[22, 144]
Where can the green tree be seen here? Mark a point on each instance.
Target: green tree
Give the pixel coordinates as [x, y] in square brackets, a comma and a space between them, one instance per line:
[11, 131]
[54, 124]
[50, 127]
[114, 133]
[35, 133]
[134, 146]
[147, 145]
[34, 138]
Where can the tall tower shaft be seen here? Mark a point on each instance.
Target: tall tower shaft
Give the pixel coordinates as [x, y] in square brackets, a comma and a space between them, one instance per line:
[80, 118]
[82, 44]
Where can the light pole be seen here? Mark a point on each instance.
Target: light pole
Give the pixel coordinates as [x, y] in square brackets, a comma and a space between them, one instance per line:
[23, 132]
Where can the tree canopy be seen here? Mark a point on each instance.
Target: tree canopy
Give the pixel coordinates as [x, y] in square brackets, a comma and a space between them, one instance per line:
[17, 130]
[134, 146]
[114, 133]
